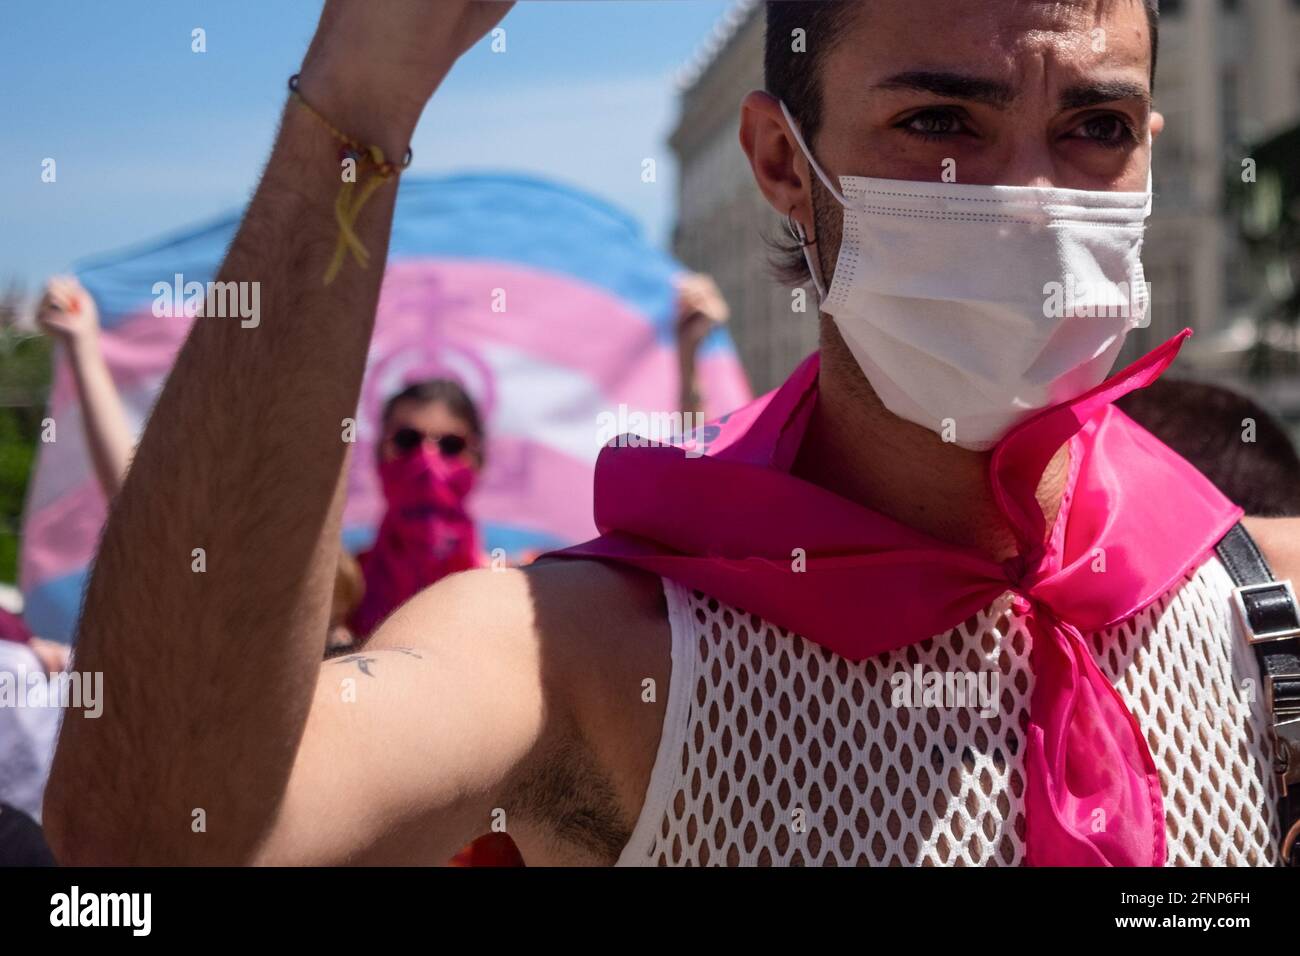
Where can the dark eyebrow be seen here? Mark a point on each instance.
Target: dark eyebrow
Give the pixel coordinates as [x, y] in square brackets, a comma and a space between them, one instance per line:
[955, 85]
[995, 93]
[1094, 94]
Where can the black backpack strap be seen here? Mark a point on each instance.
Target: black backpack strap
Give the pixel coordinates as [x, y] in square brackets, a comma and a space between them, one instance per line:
[1270, 616]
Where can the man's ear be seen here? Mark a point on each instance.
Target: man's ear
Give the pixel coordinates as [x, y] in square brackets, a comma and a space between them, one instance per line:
[779, 167]
[1157, 123]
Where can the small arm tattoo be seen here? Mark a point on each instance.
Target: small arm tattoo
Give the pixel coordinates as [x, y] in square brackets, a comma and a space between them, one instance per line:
[363, 662]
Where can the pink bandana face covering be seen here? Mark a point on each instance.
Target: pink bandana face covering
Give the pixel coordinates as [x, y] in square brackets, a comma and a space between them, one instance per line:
[426, 533]
[870, 584]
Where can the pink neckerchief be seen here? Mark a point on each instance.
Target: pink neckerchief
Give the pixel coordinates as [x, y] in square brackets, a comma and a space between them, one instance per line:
[729, 523]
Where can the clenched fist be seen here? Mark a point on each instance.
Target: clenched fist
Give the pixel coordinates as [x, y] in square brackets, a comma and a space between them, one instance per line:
[67, 311]
[372, 66]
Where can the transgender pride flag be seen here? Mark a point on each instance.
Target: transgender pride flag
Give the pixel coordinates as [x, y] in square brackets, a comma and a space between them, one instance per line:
[587, 326]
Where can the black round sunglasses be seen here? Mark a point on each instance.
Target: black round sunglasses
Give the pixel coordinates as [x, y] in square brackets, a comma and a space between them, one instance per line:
[409, 439]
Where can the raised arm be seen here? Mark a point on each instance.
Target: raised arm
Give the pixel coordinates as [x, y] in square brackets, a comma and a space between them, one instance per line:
[68, 312]
[208, 605]
[700, 309]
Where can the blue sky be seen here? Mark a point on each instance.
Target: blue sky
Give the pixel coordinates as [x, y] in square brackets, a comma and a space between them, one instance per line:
[149, 136]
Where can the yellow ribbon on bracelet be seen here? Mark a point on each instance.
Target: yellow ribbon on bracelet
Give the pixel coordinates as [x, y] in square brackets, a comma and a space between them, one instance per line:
[352, 196]
[346, 210]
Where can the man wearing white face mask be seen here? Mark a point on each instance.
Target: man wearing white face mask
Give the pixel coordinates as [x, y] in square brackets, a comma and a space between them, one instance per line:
[932, 601]
[937, 292]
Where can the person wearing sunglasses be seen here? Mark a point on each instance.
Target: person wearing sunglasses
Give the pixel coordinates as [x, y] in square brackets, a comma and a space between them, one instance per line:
[429, 457]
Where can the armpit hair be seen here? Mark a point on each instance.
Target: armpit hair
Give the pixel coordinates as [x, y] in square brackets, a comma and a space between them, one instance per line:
[567, 792]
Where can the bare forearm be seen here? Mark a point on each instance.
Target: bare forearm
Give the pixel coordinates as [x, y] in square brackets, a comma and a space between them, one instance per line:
[209, 674]
[108, 435]
[210, 667]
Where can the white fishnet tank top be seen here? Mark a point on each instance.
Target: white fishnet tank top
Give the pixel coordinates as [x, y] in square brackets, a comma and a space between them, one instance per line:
[777, 751]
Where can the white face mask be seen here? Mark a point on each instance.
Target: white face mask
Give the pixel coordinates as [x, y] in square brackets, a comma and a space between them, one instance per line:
[969, 308]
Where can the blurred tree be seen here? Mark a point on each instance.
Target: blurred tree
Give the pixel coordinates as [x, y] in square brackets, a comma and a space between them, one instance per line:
[1264, 194]
[24, 386]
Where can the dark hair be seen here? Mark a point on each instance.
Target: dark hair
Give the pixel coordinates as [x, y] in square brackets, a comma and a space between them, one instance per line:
[795, 78]
[1204, 423]
[444, 391]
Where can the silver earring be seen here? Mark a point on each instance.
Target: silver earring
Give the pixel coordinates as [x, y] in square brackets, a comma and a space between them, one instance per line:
[796, 229]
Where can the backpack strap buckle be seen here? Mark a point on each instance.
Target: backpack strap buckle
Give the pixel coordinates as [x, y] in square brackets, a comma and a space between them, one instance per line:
[1270, 617]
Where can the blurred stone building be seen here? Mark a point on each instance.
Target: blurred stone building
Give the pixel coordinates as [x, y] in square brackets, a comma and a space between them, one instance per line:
[1229, 73]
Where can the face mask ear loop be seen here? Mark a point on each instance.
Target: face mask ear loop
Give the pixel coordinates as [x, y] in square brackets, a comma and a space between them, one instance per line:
[1150, 166]
[815, 271]
[821, 174]
[795, 229]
